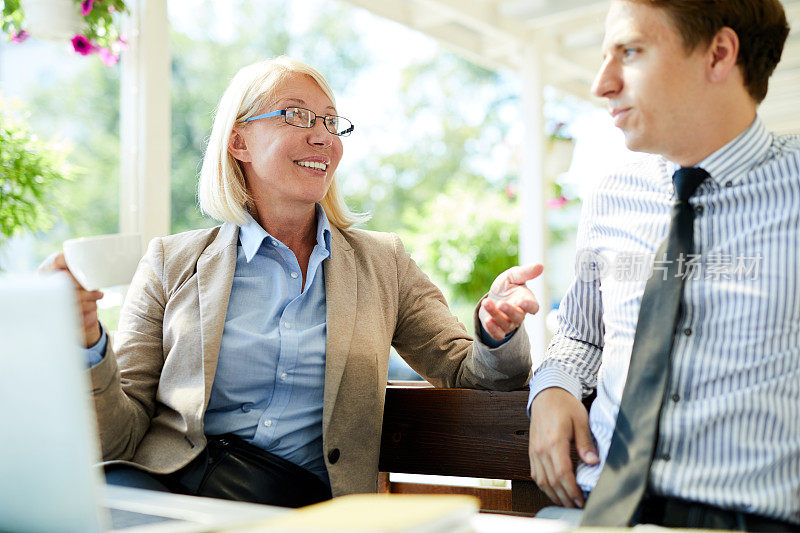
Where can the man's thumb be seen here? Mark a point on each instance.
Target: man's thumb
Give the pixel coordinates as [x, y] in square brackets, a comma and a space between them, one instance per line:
[585, 444]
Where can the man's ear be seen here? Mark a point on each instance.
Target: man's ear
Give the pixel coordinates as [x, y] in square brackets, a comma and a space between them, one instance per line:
[237, 146]
[723, 52]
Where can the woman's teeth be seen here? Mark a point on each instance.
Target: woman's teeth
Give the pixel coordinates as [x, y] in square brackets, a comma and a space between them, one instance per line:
[312, 164]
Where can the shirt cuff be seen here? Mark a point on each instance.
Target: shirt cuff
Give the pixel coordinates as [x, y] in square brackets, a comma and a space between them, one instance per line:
[489, 341]
[547, 378]
[95, 354]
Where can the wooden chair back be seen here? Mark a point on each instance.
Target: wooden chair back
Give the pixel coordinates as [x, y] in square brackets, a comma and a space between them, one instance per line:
[460, 432]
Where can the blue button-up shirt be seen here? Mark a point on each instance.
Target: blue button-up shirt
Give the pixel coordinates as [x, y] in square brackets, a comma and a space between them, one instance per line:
[268, 388]
[269, 383]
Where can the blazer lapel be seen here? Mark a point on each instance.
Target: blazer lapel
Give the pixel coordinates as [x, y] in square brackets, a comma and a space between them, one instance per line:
[215, 269]
[340, 295]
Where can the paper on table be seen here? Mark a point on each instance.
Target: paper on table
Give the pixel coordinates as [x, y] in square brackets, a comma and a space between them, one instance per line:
[375, 513]
[492, 523]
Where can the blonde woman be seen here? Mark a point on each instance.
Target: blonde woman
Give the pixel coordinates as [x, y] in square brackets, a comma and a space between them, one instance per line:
[251, 358]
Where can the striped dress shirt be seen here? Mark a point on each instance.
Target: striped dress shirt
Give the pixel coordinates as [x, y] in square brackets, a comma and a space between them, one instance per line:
[729, 434]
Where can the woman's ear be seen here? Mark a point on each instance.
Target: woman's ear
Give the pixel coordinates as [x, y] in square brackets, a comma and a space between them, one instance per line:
[237, 146]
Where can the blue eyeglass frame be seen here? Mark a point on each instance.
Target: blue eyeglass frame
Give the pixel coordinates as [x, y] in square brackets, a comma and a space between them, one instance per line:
[282, 112]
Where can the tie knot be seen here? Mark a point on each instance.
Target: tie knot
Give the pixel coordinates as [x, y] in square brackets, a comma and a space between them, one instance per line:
[687, 180]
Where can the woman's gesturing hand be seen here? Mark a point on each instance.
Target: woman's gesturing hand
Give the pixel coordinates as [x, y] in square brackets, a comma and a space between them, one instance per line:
[509, 301]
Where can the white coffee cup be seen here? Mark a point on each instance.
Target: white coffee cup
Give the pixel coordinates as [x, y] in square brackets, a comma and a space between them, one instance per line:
[103, 260]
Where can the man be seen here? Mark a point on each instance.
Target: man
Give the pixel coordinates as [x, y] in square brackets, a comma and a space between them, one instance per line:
[683, 79]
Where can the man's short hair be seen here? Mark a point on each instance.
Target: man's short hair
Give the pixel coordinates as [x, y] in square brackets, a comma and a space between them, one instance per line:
[760, 24]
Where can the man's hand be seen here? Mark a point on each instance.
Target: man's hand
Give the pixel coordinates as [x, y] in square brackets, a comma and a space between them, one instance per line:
[509, 300]
[557, 420]
[87, 300]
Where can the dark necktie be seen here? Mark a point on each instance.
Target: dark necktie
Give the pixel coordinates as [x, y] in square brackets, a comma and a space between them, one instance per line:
[623, 481]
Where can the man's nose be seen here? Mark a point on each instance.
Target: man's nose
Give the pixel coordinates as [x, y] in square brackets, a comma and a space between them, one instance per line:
[607, 82]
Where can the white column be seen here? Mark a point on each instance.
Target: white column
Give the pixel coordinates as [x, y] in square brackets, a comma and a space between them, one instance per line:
[145, 122]
[533, 223]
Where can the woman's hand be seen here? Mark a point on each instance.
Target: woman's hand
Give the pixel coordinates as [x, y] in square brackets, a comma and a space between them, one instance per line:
[509, 300]
[87, 300]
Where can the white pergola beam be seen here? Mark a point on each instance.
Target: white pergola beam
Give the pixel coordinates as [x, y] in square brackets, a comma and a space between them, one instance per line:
[533, 232]
[145, 122]
[479, 15]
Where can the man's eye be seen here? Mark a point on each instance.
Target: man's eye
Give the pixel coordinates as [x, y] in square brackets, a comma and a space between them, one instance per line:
[629, 53]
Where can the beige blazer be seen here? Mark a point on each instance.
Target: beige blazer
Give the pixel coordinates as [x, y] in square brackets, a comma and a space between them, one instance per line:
[152, 389]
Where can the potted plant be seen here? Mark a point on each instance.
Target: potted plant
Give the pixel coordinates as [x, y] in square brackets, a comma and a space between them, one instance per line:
[91, 26]
[29, 170]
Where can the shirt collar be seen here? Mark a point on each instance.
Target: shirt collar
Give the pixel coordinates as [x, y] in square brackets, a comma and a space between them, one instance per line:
[252, 235]
[738, 156]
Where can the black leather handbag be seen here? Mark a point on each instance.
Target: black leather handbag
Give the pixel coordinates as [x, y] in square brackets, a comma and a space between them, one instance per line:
[233, 469]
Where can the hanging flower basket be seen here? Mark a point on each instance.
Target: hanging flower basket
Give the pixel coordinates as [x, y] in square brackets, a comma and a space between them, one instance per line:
[91, 26]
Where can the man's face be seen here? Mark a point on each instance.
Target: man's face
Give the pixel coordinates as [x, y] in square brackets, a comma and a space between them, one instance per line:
[653, 87]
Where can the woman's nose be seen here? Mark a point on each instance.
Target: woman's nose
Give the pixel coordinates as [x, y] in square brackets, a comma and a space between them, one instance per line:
[318, 134]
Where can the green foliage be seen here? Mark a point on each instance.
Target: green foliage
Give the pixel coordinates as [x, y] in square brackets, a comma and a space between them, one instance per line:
[30, 170]
[12, 17]
[443, 140]
[85, 108]
[103, 22]
[465, 239]
[453, 217]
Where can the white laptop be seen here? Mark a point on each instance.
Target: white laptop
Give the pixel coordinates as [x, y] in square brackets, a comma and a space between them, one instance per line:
[48, 438]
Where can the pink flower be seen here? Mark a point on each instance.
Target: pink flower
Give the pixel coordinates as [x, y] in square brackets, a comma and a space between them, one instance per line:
[19, 37]
[511, 191]
[108, 57]
[557, 203]
[121, 43]
[82, 45]
[86, 7]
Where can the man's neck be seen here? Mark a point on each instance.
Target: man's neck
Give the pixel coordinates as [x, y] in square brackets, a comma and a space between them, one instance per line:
[713, 132]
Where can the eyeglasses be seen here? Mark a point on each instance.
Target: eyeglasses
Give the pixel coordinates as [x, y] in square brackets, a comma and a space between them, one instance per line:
[305, 118]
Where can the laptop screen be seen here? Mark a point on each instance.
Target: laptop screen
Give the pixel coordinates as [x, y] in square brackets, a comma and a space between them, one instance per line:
[48, 443]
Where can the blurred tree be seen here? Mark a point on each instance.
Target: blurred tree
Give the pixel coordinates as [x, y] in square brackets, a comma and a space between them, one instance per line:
[475, 239]
[444, 138]
[89, 203]
[453, 213]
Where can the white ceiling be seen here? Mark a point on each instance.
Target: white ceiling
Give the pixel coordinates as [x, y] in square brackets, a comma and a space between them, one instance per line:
[568, 33]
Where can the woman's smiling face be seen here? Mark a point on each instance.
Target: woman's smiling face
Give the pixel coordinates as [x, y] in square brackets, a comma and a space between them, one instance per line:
[285, 164]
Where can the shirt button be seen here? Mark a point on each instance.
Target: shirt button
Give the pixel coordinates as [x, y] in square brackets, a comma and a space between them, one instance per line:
[729, 184]
[698, 209]
[268, 422]
[687, 331]
[284, 376]
[294, 275]
[676, 397]
[666, 457]
[287, 325]
[274, 242]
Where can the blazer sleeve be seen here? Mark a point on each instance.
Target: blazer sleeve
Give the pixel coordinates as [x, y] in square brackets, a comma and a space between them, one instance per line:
[435, 344]
[125, 400]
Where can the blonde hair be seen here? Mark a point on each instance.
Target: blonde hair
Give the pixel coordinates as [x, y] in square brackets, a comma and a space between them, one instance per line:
[221, 189]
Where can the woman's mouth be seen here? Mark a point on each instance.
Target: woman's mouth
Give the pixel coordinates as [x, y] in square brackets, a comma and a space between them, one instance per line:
[316, 165]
